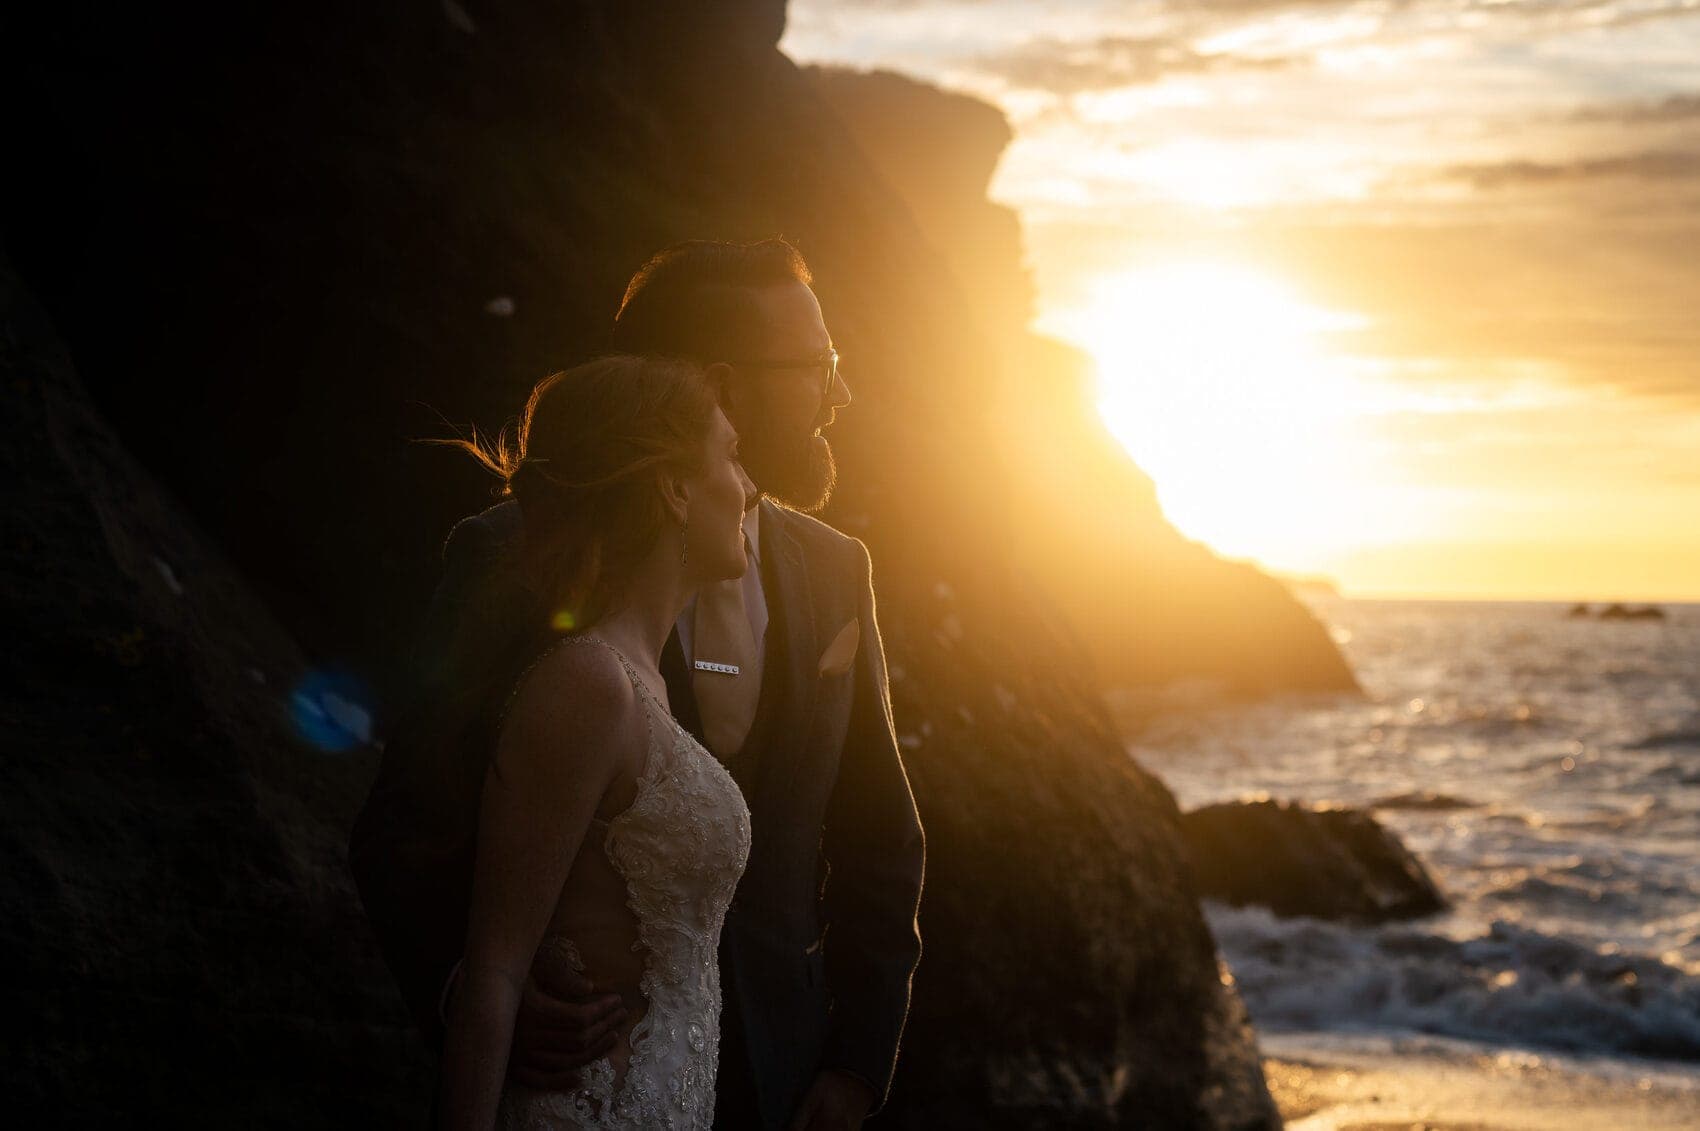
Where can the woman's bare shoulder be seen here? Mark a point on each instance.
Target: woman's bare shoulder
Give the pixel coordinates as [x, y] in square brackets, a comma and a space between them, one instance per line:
[574, 712]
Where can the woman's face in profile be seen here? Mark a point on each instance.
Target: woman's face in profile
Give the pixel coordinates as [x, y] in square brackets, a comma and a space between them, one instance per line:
[719, 496]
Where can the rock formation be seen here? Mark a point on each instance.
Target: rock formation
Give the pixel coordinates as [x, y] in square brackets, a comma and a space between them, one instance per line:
[180, 942]
[1149, 604]
[1421, 799]
[277, 249]
[1627, 612]
[1303, 860]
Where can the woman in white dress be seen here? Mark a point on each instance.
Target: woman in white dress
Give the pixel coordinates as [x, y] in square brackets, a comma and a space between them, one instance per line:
[609, 841]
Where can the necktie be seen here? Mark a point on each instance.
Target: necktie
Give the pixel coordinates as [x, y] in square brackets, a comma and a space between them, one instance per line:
[723, 637]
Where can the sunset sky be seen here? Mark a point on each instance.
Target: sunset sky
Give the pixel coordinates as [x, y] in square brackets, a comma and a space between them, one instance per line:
[1405, 293]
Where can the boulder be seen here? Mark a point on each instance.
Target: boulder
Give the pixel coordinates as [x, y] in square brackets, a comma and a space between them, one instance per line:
[1067, 979]
[1296, 859]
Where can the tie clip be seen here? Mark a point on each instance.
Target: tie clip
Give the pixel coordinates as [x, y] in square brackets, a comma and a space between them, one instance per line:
[708, 666]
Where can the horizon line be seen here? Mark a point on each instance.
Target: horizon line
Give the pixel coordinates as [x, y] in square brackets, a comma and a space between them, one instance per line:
[1503, 599]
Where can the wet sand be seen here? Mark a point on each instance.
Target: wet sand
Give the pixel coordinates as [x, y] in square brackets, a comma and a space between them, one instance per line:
[1327, 1082]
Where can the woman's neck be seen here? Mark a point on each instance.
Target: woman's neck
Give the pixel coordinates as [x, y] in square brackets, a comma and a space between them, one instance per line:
[648, 610]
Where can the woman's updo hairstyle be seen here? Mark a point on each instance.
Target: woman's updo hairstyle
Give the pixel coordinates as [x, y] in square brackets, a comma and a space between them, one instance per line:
[593, 444]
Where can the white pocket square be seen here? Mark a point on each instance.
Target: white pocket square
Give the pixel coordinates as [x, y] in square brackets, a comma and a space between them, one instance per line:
[841, 652]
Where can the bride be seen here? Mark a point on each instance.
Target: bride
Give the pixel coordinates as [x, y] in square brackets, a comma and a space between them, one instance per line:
[609, 841]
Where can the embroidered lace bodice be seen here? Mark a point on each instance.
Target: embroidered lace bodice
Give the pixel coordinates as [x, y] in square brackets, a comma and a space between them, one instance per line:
[681, 847]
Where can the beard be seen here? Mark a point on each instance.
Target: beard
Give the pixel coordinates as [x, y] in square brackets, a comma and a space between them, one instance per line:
[800, 475]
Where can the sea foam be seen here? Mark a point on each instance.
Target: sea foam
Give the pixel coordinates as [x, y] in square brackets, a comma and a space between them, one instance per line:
[1508, 985]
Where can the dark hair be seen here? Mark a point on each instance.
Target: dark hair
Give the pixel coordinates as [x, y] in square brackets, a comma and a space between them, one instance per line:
[585, 469]
[696, 299]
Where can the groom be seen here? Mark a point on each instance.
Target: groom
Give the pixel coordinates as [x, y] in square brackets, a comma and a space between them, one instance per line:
[811, 1019]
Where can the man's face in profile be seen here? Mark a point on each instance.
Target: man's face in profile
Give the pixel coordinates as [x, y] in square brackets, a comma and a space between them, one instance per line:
[781, 397]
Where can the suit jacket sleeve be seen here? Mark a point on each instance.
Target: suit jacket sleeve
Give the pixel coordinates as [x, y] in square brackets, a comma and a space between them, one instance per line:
[409, 846]
[875, 850]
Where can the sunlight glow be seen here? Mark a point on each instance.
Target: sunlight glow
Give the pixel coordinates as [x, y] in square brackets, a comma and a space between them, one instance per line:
[1220, 384]
[1484, 183]
[1200, 173]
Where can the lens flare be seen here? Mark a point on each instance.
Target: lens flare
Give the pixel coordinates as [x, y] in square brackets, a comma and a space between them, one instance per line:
[330, 709]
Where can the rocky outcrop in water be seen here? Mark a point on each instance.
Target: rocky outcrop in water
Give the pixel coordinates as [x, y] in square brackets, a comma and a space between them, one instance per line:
[1422, 799]
[1625, 612]
[1617, 612]
[1294, 859]
[275, 249]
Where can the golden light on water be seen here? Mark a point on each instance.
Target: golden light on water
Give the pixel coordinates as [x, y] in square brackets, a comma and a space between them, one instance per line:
[1222, 384]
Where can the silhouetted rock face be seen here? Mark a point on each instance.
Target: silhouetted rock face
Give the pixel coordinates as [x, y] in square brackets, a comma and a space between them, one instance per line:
[1149, 604]
[938, 150]
[181, 944]
[1299, 860]
[273, 258]
[1067, 978]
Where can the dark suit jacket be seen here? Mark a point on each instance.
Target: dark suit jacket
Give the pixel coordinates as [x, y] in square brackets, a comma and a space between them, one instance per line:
[820, 772]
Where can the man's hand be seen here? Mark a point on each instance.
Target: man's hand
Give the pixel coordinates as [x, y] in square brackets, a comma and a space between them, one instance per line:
[564, 1022]
[837, 1101]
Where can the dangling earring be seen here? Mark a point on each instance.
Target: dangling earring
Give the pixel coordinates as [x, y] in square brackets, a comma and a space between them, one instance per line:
[684, 541]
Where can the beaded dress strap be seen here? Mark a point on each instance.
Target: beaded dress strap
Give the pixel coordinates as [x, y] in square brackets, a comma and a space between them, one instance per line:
[631, 672]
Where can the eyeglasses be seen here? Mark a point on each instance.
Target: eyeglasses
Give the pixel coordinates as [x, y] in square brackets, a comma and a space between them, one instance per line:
[826, 364]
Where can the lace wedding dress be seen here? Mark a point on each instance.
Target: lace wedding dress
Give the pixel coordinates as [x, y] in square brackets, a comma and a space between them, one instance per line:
[681, 847]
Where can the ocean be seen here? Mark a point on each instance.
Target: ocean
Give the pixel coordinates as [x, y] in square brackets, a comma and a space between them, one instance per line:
[1546, 770]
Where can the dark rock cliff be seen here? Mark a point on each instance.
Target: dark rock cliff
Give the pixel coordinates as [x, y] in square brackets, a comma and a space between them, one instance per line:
[176, 928]
[1149, 604]
[275, 243]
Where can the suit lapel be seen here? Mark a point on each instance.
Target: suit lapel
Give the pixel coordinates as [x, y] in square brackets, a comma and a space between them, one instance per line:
[788, 684]
[681, 698]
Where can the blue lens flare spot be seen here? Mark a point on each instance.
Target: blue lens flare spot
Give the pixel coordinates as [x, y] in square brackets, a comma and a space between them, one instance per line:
[331, 711]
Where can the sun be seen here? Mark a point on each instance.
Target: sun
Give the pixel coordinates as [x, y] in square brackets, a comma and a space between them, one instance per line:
[1220, 382]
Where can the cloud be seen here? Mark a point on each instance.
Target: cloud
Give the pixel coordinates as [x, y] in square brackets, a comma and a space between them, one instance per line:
[1112, 61]
[1252, 7]
[1655, 165]
[1676, 108]
[1596, 13]
[1627, 15]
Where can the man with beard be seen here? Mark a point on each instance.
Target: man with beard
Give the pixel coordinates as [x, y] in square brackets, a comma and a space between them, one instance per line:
[782, 676]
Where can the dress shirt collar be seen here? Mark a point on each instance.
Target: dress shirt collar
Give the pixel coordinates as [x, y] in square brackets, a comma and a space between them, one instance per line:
[752, 531]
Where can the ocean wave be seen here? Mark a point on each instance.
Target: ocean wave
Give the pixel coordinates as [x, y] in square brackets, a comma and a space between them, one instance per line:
[1511, 984]
[1575, 893]
[1583, 880]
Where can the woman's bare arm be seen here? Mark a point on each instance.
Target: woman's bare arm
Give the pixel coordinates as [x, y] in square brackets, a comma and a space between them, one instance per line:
[573, 726]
